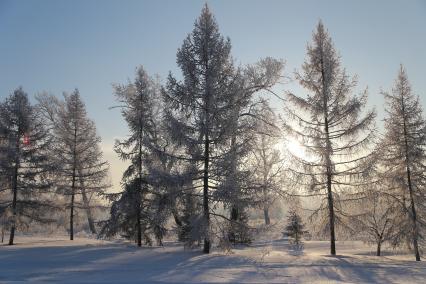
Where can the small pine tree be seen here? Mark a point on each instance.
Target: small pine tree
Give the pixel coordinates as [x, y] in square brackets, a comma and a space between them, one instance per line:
[295, 228]
[239, 232]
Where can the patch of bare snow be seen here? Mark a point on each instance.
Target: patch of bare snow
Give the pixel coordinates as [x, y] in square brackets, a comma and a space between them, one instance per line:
[86, 260]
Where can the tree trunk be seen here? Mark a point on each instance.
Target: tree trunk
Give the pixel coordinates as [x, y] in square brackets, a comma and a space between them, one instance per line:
[15, 189]
[410, 188]
[15, 194]
[206, 196]
[12, 235]
[414, 218]
[234, 218]
[329, 164]
[206, 210]
[266, 215]
[72, 210]
[379, 245]
[138, 224]
[73, 185]
[86, 204]
[329, 188]
[234, 213]
[331, 216]
[139, 192]
[265, 182]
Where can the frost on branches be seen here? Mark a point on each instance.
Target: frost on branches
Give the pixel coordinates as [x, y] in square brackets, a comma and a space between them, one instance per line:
[331, 125]
[24, 165]
[210, 114]
[403, 156]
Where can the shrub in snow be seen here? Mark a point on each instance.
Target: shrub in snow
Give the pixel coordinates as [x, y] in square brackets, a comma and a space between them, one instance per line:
[295, 228]
[238, 232]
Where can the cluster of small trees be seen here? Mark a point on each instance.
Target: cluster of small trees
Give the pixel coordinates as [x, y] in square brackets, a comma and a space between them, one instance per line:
[365, 180]
[202, 151]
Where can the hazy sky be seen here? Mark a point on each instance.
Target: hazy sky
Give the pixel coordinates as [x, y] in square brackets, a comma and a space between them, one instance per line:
[56, 45]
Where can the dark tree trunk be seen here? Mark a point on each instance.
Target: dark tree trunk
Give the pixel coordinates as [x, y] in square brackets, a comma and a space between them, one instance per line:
[234, 218]
[12, 235]
[379, 245]
[72, 211]
[329, 188]
[138, 224]
[206, 210]
[410, 188]
[266, 215]
[236, 210]
[265, 182]
[329, 164]
[331, 217]
[139, 192]
[414, 218]
[15, 194]
[15, 189]
[206, 196]
[234, 213]
[73, 185]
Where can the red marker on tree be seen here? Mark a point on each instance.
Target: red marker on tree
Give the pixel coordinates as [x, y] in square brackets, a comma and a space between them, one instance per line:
[26, 139]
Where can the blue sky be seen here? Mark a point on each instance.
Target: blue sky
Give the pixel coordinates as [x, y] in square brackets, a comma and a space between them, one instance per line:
[57, 45]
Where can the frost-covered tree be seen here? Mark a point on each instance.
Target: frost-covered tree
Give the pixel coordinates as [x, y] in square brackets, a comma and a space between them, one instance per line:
[190, 218]
[403, 154]
[238, 190]
[375, 216]
[267, 161]
[24, 163]
[206, 107]
[81, 172]
[295, 229]
[136, 101]
[233, 179]
[204, 98]
[125, 211]
[331, 125]
[169, 187]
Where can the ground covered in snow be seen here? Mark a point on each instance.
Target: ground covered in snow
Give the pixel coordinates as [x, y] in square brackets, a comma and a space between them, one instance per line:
[57, 260]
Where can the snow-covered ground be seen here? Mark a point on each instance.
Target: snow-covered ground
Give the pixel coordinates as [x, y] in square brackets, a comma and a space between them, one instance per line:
[57, 260]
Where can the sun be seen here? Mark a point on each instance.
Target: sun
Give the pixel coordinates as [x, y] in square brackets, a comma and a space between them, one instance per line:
[296, 149]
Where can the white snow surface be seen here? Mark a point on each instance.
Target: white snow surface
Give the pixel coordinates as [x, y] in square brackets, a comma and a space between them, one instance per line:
[85, 260]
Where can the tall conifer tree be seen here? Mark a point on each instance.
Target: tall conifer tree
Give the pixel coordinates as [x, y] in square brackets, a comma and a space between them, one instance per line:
[403, 153]
[24, 162]
[332, 127]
